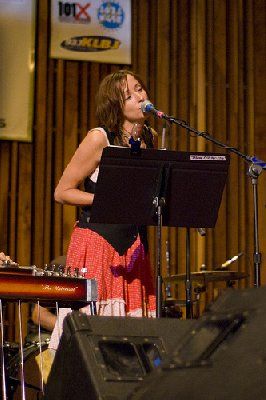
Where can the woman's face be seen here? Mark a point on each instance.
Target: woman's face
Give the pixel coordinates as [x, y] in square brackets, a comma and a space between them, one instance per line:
[134, 95]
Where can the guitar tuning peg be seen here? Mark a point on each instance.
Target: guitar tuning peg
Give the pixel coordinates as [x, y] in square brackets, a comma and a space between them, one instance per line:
[83, 271]
[61, 270]
[55, 271]
[46, 270]
[68, 271]
[76, 272]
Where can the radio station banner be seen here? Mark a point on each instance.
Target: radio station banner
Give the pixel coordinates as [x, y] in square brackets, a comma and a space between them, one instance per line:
[17, 41]
[95, 30]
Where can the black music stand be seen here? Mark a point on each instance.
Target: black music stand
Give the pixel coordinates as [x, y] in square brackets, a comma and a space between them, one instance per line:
[155, 187]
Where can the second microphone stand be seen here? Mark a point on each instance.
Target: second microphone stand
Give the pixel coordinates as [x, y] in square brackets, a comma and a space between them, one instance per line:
[255, 168]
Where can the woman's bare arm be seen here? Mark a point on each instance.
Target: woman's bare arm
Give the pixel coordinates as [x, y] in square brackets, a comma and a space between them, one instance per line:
[83, 163]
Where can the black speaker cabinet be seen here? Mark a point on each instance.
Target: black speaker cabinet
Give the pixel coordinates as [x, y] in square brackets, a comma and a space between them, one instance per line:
[107, 357]
[222, 358]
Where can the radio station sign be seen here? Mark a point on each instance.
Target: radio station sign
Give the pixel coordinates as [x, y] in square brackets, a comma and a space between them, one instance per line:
[94, 30]
[17, 67]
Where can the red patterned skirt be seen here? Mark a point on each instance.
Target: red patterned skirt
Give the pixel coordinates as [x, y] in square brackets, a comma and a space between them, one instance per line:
[125, 283]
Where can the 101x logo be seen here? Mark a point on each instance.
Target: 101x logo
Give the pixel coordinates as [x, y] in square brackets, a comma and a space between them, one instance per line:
[74, 12]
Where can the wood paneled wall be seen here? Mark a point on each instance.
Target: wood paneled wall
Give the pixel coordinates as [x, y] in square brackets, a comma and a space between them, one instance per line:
[204, 62]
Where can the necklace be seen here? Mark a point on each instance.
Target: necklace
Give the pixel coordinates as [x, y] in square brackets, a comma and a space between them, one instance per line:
[126, 133]
[136, 130]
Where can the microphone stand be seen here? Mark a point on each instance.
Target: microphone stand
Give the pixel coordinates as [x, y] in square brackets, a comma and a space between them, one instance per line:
[254, 172]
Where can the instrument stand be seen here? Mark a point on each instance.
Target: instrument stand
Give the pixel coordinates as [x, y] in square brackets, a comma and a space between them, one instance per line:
[159, 204]
[159, 188]
[189, 306]
[3, 380]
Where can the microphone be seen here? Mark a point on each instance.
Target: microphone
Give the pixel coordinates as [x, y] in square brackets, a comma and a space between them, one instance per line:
[231, 260]
[148, 107]
[255, 160]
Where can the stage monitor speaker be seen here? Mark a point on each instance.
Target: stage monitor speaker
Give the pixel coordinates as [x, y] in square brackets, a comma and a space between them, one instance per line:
[106, 357]
[223, 357]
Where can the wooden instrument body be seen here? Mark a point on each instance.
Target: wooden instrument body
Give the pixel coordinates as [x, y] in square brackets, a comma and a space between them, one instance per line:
[28, 284]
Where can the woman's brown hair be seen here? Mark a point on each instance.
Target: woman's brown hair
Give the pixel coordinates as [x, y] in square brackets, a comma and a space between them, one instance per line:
[110, 101]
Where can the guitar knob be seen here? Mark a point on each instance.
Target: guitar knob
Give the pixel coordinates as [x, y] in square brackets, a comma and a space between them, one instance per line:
[61, 270]
[55, 271]
[83, 271]
[46, 270]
